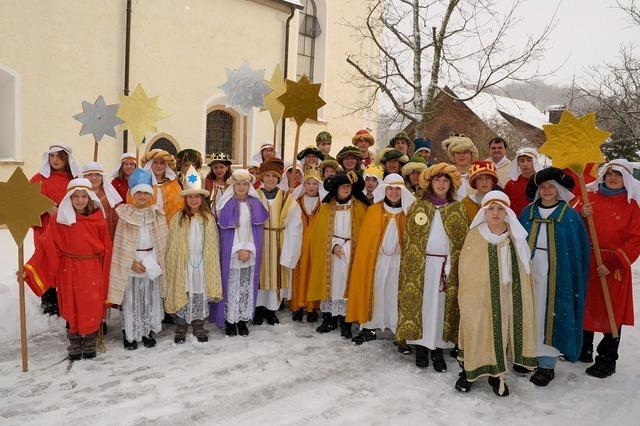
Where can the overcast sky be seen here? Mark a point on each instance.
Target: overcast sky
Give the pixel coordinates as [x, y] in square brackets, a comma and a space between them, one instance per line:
[589, 32]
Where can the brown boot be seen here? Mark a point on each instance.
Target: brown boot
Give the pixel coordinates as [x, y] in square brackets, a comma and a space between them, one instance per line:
[199, 331]
[89, 345]
[181, 334]
[75, 346]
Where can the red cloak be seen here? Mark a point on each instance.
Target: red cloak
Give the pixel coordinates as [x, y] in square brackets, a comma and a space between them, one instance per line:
[55, 188]
[75, 259]
[516, 190]
[122, 186]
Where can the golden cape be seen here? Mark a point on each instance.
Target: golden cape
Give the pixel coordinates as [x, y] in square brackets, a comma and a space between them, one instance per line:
[413, 263]
[271, 275]
[495, 319]
[177, 259]
[321, 247]
[361, 277]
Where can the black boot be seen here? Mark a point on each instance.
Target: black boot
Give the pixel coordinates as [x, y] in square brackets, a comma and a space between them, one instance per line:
[439, 363]
[131, 346]
[542, 376]
[329, 323]
[586, 354]
[297, 315]
[242, 328]
[199, 331]
[89, 345]
[365, 335]
[149, 341]
[495, 386]
[345, 328]
[75, 346]
[258, 316]
[520, 369]
[422, 356]
[462, 384]
[403, 348]
[230, 329]
[453, 353]
[312, 316]
[604, 367]
[271, 317]
[181, 334]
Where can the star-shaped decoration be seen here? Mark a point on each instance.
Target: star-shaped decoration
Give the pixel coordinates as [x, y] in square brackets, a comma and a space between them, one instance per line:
[245, 88]
[574, 142]
[302, 100]
[21, 205]
[192, 178]
[98, 119]
[278, 88]
[140, 114]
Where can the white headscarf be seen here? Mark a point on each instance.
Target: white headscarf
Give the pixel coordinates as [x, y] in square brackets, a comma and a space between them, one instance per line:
[132, 155]
[238, 175]
[109, 191]
[284, 182]
[258, 155]
[563, 193]
[394, 180]
[625, 167]
[514, 169]
[300, 191]
[168, 172]
[45, 170]
[517, 231]
[66, 212]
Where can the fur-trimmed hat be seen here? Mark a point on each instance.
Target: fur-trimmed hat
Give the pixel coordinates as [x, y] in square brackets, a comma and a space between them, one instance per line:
[310, 150]
[374, 169]
[363, 134]
[414, 166]
[394, 154]
[161, 154]
[323, 137]
[437, 170]
[332, 183]
[274, 165]
[457, 142]
[482, 167]
[348, 150]
[399, 136]
[544, 175]
[421, 144]
[332, 164]
[190, 155]
[219, 157]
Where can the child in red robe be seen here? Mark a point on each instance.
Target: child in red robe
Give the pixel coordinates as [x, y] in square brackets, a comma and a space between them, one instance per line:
[74, 255]
[525, 165]
[128, 163]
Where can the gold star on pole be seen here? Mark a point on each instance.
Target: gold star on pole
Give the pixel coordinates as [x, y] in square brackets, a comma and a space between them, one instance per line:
[574, 142]
[301, 100]
[278, 88]
[21, 205]
[140, 114]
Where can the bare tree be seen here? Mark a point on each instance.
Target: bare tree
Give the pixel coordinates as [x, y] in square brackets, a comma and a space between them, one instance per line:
[421, 45]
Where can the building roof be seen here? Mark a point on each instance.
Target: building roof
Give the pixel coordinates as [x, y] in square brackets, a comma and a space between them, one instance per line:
[490, 107]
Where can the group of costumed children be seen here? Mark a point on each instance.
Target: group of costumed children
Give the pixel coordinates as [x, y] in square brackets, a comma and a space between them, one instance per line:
[484, 260]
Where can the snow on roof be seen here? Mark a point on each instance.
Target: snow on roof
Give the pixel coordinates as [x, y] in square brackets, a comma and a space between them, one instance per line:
[488, 106]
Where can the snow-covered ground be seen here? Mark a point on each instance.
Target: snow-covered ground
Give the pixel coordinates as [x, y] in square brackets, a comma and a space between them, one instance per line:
[281, 375]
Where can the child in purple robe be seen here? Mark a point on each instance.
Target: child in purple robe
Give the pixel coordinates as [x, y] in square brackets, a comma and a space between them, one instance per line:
[241, 218]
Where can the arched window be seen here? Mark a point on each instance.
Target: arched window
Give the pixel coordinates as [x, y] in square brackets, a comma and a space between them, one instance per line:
[307, 34]
[219, 132]
[166, 142]
[9, 130]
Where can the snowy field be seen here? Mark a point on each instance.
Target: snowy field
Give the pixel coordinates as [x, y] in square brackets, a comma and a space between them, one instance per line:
[281, 375]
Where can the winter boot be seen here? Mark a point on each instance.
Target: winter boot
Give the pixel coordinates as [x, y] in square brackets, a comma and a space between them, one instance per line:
[422, 357]
[270, 317]
[542, 376]
[364, 336]
[453, 353]
[439, 363]
[462, 384]
[149, 341]
[329, 323]
[242, 328]
[345, 328]
[586, 354]
[131, 346]
[258, 316]
[89, 345]
[297, 315]
[199, 331]
[312, 316]
[181, 334]
[403, 348]
[230, 329]
[75, 346]
[604, 367]
[522, 371]
[499, 386]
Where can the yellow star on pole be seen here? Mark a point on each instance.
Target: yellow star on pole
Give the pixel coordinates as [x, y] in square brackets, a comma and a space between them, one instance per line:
[278, 88]
[574, 142]
[21, 204]
[140, 114]
[301, 100]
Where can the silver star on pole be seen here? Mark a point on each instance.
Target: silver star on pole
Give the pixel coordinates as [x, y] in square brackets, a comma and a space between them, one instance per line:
[245, 88]
[98, 119]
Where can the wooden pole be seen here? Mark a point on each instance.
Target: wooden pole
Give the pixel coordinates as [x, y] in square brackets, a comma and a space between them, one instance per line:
[95, 149]
[598, 256]
[275, 133]
[295, 150]
[245, 141]
[23, 319]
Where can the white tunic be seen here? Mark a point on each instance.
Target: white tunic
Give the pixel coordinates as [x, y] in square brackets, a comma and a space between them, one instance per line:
[239, 305]
[197, 307]
[432, 298]
[339, 265]
[385, 278]
[541, 279]
[269, 298]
